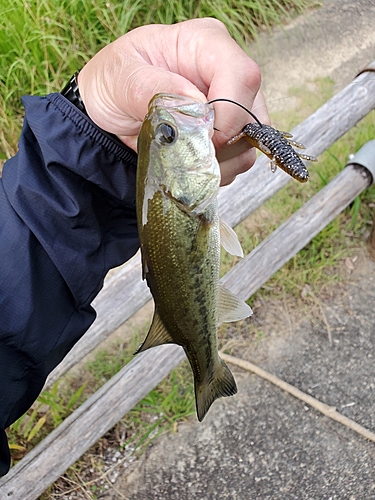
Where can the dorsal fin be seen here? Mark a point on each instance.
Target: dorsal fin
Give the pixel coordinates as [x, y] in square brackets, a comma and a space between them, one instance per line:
[157, 335]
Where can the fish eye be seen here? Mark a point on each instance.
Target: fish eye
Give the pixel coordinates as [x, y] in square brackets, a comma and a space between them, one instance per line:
[165, 133]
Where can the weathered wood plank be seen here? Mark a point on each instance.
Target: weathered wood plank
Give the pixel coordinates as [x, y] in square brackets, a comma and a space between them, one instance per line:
[289, 238]
[47, 461]
[125, 293]
[43, 465]
[318, 132]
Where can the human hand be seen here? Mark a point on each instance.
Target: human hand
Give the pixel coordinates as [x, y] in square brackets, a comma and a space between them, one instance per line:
[196, 58]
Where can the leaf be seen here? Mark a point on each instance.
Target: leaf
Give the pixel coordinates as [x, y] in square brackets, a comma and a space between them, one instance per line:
[76, 396]
[18, 447]
[356, 205]
[349, 264]
[37, 427]
[30, 422]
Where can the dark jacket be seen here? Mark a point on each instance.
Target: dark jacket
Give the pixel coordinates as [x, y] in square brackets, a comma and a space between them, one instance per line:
[67, 215]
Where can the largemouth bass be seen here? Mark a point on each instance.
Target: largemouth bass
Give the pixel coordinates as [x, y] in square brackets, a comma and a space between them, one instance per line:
[178, 178]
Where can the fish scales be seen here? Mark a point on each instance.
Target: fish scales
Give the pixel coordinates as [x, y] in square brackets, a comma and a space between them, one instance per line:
[191, 271]
[177, 182]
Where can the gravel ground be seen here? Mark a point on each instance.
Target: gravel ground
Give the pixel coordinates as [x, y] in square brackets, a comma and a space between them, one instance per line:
[264, 443]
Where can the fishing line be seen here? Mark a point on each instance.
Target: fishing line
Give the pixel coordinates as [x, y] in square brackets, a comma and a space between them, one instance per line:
[223, 99]
[237, 104]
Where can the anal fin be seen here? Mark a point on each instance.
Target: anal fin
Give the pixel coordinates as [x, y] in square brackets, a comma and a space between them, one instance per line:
[231, 308]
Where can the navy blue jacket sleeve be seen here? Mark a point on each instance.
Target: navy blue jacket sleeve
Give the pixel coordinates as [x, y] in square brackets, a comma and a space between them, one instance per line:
[67, 216]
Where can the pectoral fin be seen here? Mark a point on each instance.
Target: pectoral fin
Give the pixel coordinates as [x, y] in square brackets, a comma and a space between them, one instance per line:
[157, 335]
[229, 240]
[231, 308]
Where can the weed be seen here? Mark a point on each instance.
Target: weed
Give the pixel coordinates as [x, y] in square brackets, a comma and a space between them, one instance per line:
[163, 408]
[50, 409]
[170, 402]
[108, 362]
[43, 42]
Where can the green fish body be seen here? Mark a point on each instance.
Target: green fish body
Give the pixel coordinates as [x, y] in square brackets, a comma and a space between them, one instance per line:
[178, 178]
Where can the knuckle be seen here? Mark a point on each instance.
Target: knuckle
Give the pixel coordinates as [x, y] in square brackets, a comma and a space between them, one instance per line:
[252, 75]
[212, 22]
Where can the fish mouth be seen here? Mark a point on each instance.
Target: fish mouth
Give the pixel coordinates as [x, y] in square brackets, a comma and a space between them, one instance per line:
[182, 104]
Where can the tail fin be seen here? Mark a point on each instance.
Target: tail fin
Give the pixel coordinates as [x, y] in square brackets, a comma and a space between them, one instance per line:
[222, 384]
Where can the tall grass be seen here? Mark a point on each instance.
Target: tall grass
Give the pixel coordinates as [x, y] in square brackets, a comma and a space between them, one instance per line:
[42, 42]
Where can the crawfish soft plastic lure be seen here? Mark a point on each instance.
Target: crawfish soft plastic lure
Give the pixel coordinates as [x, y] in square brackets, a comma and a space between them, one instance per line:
[275, 144]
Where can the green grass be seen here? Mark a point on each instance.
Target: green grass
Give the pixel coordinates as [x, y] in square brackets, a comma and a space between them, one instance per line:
[47, 413]
[43, 42]
[171, 402]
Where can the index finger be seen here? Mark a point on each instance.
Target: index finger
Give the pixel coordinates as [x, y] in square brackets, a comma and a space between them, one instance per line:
[223, 69]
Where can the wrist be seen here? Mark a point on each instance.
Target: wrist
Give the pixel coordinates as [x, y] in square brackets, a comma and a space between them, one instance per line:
[71, 92]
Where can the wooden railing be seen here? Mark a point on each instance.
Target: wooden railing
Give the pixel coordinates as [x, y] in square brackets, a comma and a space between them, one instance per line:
[124, 293]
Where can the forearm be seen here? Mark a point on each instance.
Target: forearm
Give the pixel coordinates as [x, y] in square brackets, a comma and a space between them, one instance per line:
[67, 215]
